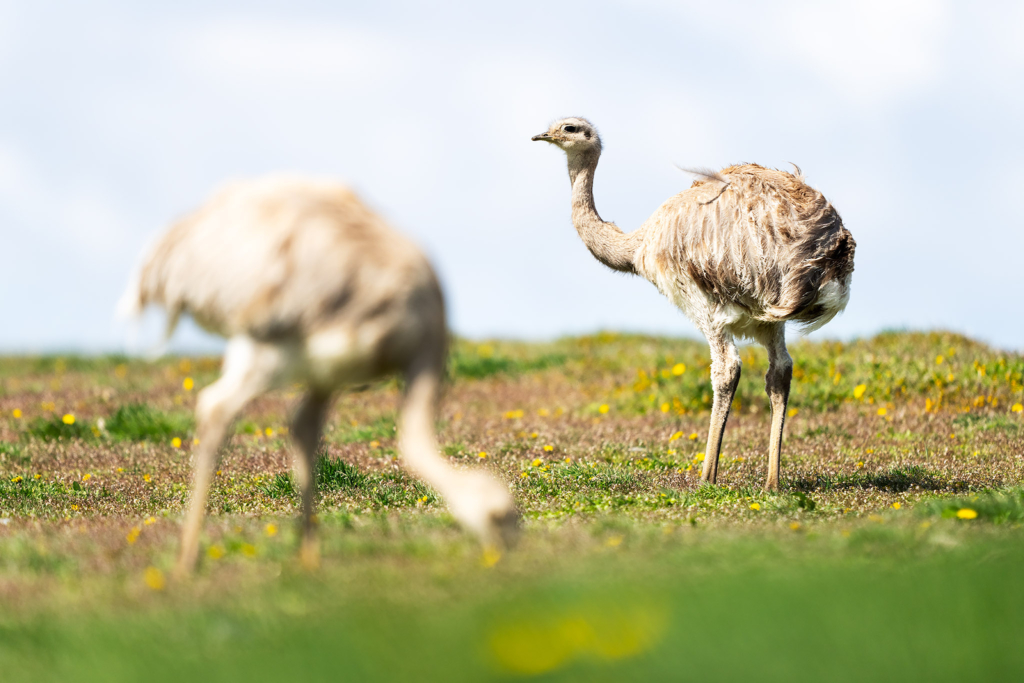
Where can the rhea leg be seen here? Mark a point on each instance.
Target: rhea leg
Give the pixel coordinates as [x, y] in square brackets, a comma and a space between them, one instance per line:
[776, 383]
[249, 370]
[725, 376]
[307, 425]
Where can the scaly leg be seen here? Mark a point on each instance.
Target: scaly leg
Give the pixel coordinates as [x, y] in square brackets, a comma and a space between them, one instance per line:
[776, 384]
[249, 370]
[725, 376]
[307, 425]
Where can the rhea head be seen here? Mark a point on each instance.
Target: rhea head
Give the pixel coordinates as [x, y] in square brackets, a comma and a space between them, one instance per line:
[575, 135]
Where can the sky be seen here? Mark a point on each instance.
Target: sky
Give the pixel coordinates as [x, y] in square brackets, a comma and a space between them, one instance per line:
[119, 117]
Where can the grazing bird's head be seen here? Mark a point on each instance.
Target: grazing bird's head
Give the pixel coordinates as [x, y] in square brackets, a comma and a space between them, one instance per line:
[575, 135]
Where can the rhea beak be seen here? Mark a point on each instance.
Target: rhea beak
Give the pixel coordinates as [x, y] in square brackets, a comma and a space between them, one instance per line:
[542, 136]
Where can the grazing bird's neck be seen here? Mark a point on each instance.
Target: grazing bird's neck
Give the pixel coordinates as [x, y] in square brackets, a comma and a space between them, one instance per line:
[606, 241]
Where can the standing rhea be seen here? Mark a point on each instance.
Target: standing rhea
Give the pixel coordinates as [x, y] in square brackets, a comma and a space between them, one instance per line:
[310, 286]
[742, 252]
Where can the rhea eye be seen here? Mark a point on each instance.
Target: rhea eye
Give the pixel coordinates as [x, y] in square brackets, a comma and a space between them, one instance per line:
[570, 129]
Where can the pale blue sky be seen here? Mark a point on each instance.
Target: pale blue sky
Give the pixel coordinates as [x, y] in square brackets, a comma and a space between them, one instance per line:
[907, 115]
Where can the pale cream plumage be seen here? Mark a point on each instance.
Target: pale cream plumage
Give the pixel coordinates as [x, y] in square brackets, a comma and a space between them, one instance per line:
[310, 286]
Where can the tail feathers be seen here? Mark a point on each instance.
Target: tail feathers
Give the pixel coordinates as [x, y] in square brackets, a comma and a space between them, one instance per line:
[130, 305]
[705, 174]
[130, 308]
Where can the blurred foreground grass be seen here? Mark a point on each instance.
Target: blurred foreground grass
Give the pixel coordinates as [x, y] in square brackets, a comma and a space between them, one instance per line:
[881, 602]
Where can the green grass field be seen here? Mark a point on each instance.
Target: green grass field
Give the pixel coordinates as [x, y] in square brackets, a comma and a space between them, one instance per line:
[893, 551]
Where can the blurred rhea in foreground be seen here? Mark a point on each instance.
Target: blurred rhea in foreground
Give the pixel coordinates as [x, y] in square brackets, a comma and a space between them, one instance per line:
[742, 252]
[310, 286]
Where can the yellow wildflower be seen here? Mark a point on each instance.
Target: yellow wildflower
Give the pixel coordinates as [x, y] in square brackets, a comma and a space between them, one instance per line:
[271, 529]
[860, 463]
[248, 549]
[543, 412]
[268, 431]
[537, 462]
[693, 436]
[549, 448]
[614, 541]
[966, 513]
[150, 520]
[375, 444]
[699, 457]
[755, 506]
[1017, 408]
[882, 411]
[147, 478]
[513, 414]
[793, 411]
[490, 557]
[215, 552]
[896, 506]
[16, 413]
[68, 419]
[482, 454]
[86, 477]
[188, 384]
[17, 480]
[939, 359]
[154, 578]
[794, 525]
[603, 409]
[675, 435]
[858, 391]
[133, 535]
[678, 369]
[665, 407]
[176, 442]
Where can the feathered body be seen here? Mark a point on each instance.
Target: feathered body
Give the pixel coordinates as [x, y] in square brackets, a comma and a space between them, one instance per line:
[742, 252]
[749, 245]
[311, 287]
[289, 259]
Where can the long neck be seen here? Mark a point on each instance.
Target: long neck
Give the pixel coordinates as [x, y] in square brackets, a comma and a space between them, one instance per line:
[606, 241]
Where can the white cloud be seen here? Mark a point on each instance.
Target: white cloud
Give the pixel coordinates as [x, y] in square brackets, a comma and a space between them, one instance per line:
[80, 219]
[291, 55]
[869, 53]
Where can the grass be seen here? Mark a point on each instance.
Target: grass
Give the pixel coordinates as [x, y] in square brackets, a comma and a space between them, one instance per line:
[878, 603]
[141, 422]
[891, 552]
